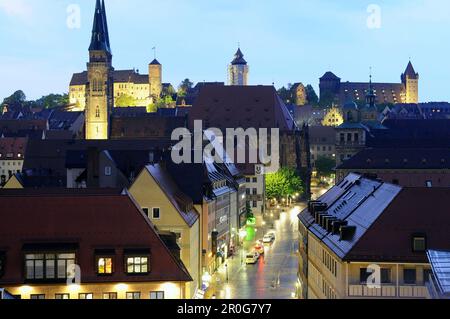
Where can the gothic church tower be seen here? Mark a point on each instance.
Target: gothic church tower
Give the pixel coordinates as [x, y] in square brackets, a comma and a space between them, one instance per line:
[99, 89]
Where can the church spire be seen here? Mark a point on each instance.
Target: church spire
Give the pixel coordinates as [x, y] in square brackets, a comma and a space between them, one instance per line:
[105, 20]
[370, 97]
[99, 40]
[239, 58]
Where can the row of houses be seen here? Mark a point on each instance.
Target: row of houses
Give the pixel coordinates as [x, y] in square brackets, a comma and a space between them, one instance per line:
[200, 206]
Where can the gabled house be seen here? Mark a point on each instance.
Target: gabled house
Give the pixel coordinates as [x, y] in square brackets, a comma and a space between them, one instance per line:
[73, 245]
[170, 210]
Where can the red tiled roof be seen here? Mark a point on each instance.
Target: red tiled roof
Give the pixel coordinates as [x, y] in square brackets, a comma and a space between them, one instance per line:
[92, 222]
[414, 211]
[241, 107]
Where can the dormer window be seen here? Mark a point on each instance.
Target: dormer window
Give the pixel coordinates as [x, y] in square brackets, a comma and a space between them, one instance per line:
[419, 243]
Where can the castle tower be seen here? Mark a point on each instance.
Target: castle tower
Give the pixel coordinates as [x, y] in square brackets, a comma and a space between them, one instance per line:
[238, 70]
[155, 79]
[410, 80]
[99, 89]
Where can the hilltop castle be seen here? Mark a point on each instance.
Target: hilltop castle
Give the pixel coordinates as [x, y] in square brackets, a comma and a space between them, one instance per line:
[143, 88]
[333, 90]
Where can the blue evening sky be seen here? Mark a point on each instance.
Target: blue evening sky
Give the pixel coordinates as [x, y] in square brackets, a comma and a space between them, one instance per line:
[284, 41]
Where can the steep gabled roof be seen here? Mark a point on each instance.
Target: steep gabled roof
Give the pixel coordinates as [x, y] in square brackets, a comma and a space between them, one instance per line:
[180, 201]
[410, 72]
[117, 218]
[100, 36]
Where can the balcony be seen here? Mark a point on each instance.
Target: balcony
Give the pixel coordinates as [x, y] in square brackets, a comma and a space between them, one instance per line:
[388, 291]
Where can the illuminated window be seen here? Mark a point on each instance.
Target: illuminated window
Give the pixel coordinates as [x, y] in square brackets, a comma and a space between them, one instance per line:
[62, 296]
[97, 112]
[133, 295]
[104, 265]
[137, 265]
[109, 295]
[157, 295]
[86, 296]
[37, 297]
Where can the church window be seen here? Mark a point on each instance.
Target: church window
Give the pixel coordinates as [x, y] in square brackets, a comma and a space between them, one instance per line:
[97, 112]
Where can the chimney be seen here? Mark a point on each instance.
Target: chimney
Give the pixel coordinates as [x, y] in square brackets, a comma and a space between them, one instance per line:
[347, 232]
[93, 163]
[337, 226]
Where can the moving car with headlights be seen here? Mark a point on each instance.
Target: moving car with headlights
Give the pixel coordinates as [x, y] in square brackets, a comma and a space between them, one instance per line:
[251, 258]
[259, 248]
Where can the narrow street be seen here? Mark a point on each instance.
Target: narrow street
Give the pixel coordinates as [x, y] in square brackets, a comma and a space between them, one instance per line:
[275, 274]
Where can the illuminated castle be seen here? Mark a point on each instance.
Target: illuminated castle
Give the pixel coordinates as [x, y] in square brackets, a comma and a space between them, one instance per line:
[144, 89]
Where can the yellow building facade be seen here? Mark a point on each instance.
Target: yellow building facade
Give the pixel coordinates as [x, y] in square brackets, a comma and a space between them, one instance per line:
[331, 278]
[152, 190]
[333, 117]
[157, 290]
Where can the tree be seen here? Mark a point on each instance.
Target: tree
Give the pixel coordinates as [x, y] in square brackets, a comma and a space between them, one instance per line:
[283, 183]
[125, 100]
[53, 100]
[311, 95]
[285, 95]
[152, 108]
[325, 166]
[184, 87]
[248, 211]
[17, 99]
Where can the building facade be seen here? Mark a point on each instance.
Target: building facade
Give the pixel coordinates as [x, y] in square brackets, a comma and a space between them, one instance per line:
[353, 231]
[407, 167]
[12, 153]
[47, 257]
[334, 90]
[171, 210]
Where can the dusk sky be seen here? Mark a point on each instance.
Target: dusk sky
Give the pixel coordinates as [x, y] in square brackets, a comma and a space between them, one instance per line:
[284, 41]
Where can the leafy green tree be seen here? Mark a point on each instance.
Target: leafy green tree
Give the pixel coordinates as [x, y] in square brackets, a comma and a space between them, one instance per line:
[283, 183]
[311, 95]
[125, 100]
[184, 87]
[325, 166]
[248, 211]
[52, 101]
[152, 108]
